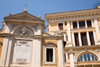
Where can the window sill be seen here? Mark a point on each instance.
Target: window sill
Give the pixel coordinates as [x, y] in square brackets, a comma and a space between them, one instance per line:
[50, 63]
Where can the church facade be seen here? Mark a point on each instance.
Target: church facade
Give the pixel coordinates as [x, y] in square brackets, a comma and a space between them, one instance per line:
[72, 40]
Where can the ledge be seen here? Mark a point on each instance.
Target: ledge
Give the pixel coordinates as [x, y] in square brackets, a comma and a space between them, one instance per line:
[50, 63]
[80, 47]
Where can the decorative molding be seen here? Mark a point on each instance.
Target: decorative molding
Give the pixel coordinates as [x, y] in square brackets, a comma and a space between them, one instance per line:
[5, 35]
[71, 15]
[21, 42]
[82, 47]
[21, 61]
[50, 44]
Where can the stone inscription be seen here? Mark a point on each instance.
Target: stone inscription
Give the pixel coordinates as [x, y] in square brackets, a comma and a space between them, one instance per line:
[22, 52]
[21, 61]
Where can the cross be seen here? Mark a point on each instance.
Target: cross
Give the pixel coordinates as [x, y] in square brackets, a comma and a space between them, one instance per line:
[25, 5]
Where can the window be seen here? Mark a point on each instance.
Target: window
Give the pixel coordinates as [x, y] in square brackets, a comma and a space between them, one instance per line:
[76, 39]
[74, 25]
[84, 39]
[89, 23]
[49, 53]
[60, 26]
[82, 24]
[91, 38]
[87, 57]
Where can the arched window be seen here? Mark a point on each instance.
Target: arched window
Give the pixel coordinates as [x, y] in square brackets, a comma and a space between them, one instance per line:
[87, 57]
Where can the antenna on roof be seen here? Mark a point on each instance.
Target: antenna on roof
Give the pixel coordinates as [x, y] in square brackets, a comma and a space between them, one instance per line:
[96, 5]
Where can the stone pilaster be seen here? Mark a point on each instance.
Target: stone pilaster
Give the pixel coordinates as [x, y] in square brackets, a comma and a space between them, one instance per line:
[69, 33]
[97, 30]
[71, 58]
[60, 53]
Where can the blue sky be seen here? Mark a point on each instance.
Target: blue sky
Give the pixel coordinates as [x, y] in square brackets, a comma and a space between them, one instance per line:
[42, 7]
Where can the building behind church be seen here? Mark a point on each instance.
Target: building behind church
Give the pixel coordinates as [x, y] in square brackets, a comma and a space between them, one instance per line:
[72, 39]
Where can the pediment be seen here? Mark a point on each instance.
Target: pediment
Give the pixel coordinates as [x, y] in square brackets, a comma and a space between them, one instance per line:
[23, 16]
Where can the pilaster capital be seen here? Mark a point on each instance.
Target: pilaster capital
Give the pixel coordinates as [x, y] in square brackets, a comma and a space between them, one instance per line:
[71, 51]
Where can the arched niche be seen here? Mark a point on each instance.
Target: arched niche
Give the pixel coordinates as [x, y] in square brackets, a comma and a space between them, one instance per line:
[24, 31]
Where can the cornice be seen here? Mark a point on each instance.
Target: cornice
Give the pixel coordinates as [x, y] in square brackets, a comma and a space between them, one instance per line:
[72, 18]
[82, 47]
[5, 34]
[52, 37]
[72, 12]
[15, 20]
[57, 31]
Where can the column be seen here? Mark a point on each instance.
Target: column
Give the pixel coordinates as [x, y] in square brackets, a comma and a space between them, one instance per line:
[94, 35]
[92, 22]
[97, 30]
[64, 37]
[71, 58]
[71, 25]
[5, 46]
[36, 55]
[77, 24]
[4, 50]
[85, 24]
[79, 35]
[34, 52]
[10, 46]
[73, 38]
[60, 53]
[69, 33]
[88, 38]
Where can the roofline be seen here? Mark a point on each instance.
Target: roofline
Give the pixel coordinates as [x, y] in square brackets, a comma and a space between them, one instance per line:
[71, 11]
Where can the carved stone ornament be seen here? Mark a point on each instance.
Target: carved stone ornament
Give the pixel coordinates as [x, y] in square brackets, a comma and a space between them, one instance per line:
[21, 61]
[24, 31]
[22, 43]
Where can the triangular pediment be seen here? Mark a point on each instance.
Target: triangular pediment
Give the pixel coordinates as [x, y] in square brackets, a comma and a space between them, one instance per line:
[24, 16]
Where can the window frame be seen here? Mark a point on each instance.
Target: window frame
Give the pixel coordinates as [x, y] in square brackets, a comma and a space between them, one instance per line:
[50, 46]
[83, 58]
[58, 25]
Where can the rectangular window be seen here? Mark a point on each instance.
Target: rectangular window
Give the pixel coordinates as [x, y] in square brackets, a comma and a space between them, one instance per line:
[49, 55]
[82, 24]
[76, 39]
[84, 39]
[89, 23]
[74, 25]
[60, 26]
[91, 38]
